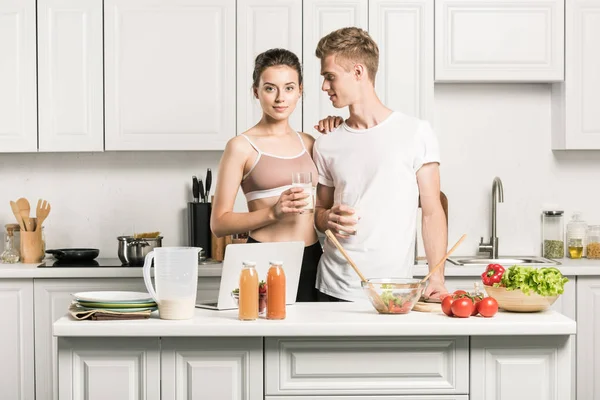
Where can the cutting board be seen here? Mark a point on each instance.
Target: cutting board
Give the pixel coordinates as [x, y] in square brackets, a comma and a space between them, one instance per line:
[421, 306]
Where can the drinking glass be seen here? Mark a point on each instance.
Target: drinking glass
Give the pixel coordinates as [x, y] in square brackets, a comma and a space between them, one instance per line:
[350, 199]
[304, 180]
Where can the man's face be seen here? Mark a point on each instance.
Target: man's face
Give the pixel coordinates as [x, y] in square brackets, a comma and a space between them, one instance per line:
[339, 84]
[278, 91]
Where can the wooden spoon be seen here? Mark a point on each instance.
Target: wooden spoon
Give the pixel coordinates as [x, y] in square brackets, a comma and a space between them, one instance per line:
[24, 207]
[17, 213]
[378, 302]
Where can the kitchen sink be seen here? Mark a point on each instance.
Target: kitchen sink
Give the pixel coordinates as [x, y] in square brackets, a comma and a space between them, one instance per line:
[508, 260]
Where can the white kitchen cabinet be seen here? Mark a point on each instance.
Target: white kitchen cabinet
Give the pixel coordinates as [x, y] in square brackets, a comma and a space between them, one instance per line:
[499, 40]
[102, 369]
[16, 340]
[575, 103]
[566, 304]
[319, 18]
[212, 368]
[169, 74]
[263, 25]
[70, 77]
[588, 328]
[18, 97]
[366, 366]
[52, 299]
[403, 30]
[527, 368]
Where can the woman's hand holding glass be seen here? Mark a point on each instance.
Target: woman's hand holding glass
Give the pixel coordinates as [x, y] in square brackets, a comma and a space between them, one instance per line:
[292, 201]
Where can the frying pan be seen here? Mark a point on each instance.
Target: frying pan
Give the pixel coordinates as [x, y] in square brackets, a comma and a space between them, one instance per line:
[74, 254]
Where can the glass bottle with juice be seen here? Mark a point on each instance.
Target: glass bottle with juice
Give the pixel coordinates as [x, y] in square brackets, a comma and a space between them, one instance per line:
[275, 291]
[248, 304]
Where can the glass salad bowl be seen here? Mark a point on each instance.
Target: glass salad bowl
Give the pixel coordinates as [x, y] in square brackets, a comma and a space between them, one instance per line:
[393, 295]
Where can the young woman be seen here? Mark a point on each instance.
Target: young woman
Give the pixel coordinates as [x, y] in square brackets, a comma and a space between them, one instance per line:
[262, 161]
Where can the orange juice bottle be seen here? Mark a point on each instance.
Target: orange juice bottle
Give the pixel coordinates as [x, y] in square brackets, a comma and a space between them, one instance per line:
[276, 291]
[248, 309]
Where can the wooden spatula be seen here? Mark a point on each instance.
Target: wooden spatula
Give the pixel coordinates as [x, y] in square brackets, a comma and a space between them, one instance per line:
[17, 213]
[41, 212]
[24, 207]
[378, 302]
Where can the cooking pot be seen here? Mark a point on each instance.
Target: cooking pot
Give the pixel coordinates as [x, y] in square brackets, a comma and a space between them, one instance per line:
[133, 251]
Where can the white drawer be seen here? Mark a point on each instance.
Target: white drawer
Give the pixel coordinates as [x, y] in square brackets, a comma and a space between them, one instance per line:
[371, 365]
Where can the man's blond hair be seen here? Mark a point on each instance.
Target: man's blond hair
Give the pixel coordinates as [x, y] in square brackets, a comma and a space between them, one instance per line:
[350, 45]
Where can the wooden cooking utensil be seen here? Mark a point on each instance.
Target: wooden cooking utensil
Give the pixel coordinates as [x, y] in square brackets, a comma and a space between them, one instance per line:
[41, 212]
[24, 208]
[379, 303]
[441, 262]
[17, 213]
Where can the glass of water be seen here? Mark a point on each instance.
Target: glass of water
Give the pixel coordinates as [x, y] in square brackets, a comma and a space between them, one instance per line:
[304, 181]
[349, 199]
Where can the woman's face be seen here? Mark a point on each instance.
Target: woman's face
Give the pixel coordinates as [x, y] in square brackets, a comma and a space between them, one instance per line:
[278, 91]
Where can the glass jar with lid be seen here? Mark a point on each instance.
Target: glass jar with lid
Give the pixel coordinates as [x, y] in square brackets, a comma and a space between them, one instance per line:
[553, 235]
[593, 242]
[11, 254]
[576, 233]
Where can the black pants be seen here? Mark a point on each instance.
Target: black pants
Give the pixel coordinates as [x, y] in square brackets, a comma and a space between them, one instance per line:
[327, 298]
[308, 273]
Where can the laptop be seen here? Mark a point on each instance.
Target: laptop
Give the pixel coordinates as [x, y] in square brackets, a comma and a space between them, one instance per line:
[290, 253]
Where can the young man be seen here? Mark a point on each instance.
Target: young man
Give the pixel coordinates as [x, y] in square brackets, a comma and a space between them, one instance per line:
[385, 159]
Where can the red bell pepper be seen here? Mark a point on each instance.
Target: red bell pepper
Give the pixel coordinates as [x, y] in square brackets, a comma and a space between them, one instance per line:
[493, 274]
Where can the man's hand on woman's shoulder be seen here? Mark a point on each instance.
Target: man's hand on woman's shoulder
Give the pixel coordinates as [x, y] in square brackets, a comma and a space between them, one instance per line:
[328, 124]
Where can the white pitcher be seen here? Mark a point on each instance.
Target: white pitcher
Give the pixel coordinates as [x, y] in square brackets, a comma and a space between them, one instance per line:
[176, 278]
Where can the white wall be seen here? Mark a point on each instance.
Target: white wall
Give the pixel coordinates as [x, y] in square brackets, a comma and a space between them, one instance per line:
[504, 130]
[484, 131]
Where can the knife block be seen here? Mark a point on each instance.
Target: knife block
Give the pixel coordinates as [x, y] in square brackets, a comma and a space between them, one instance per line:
[32, 249]
[199, 226]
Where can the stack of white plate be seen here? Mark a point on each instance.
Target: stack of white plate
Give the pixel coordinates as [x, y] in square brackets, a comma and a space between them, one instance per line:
[115, 301]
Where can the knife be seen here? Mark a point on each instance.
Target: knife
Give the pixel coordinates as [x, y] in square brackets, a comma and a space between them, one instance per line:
[202, 191]
[208, 184]
[195, 189]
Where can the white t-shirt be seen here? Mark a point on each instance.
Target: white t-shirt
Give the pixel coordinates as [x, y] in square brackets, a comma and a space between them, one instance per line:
[380, 165]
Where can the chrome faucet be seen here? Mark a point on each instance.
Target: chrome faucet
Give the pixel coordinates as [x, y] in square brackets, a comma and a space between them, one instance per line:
[497, 196]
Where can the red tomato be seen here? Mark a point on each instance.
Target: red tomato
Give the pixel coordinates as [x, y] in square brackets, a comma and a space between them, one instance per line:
[462, 307]
[476, 301]
[459, 292]
[447, 305]
[488, 307]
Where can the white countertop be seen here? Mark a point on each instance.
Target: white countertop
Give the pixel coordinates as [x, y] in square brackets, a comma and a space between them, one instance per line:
[15, 271]
[569, 267]
[324, 319]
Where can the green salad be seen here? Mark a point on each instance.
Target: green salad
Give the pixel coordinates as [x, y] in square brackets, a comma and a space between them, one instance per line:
[547, 281]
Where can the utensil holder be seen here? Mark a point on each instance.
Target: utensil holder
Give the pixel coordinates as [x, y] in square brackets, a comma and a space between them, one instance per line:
[32, 249]
[199, 227]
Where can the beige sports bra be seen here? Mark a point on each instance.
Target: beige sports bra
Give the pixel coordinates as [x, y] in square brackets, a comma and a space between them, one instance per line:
[271, 175]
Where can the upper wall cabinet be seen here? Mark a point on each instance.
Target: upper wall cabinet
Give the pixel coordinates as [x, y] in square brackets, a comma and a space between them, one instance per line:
[403, 30]
[169, 74]
[70, 79]
[321, 17]
[499, 40]
[263, 25]
[18, 102]
[576, 102]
